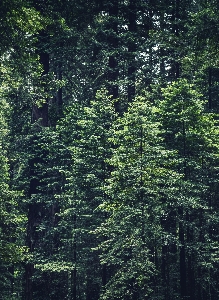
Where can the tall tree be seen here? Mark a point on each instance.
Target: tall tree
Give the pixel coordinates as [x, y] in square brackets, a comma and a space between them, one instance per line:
[85, 132]
[193, 134]
[133, 230]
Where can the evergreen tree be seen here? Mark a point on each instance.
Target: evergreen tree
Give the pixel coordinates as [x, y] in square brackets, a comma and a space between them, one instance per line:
[193, 134]
[139, 181]
[12, 250]
[143, 186]
[84, 131]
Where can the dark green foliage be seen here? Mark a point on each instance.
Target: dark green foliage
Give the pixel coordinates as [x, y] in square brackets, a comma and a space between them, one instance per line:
[133, 231]
[109, 150]
[193, 133]
[85, 132]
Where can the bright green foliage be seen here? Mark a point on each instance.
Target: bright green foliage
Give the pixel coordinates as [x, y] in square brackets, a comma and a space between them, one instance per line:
[10, 218]
[140, 179]
[19, 21]
[85, 133]
[193, 133]
[12, 221]
[116, 207]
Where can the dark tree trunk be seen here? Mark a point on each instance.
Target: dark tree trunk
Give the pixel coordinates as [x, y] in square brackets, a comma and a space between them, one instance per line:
[74, 272]
[190, 262]
[39, 115]
[175, 65]
[182, 258]
[182, 254]
[113, 72]
[56, 104]
[210, 88]
[132, 49]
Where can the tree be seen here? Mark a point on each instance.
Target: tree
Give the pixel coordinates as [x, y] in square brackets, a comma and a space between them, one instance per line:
[117, 204]
[11, 218]
[84, 132]
[193, 134]
[135, 190]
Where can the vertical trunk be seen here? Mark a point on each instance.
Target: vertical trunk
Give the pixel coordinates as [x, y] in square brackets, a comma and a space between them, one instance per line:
[176, 31]
[56, 104]
[210, 88]
[113, 47]
[59, 93]
[191, 275]
[182, 256]
[131, 49]
[40, 115]
[74, 272]
[162, 52]
[164, 271]
[175, 66]
[29, 269]
[182, 252]
[11, 270]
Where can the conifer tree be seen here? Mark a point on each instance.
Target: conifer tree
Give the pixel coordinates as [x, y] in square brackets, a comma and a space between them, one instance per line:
[193, 134]
[136, 187]
[84, 131]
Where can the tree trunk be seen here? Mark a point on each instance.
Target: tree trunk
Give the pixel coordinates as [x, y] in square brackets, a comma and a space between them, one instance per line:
[182, 257]
[113, 47]
[131, 49]
[39, 115]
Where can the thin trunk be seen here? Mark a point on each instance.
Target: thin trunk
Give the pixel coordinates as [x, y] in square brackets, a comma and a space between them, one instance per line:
[74, 276]
[162, 52]
[59, 93]
[56, 105]
[182, 254]
[132, 50]
[164, 271]
[210, 88]
[74, 250]
[113, 72]
[190, 259]
[175, 65]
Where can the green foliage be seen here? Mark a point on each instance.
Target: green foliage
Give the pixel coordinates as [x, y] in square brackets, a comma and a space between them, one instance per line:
[193, 133]
[85, 132]
[140, 179]
[12, 219]
[97, 205]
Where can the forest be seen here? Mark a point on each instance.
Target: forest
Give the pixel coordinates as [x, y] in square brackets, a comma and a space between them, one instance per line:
[109, 150]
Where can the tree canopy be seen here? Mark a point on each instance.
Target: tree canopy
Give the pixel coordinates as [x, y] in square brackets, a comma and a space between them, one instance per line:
[109, 150]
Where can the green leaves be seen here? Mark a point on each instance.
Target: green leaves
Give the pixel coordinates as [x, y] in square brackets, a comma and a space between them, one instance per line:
[111, 206]
[11, 218]
[140, 178]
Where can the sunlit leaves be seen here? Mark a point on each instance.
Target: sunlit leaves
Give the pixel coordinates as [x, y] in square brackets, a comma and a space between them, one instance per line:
[141, 178]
